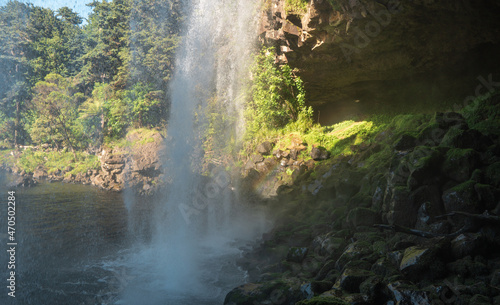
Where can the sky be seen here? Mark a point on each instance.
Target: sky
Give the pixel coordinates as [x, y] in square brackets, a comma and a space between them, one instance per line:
[76, 5]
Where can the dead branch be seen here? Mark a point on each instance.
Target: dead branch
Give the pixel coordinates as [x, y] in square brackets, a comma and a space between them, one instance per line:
[401, 229]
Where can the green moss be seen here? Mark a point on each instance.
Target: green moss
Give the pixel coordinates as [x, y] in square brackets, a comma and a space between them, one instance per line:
[54, 161]
[296, 6]
[482, 114]
[323, 301]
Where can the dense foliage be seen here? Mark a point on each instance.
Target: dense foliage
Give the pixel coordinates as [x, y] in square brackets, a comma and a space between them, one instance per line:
[72, 84]
[277, 96]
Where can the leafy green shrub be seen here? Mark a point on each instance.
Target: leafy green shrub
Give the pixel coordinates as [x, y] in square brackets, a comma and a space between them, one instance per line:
[278, 96]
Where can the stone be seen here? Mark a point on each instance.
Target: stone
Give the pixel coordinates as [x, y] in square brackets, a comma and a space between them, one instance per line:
[328, 244]
[297, 254]
[264, 148]
[318, 287]
[373, 288]
[256, 158]
[407, 294]
[363, 217]
[460, 163]
[39, 174]
[467, 244]
[421, 263]
[351, 279]
[462, 197]
[319, 153]
[325, 270]
[405, 142]
[469, 138]
[488, 195]
[492, 174]
[354, 251]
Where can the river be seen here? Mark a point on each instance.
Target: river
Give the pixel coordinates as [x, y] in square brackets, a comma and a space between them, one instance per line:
[77, 244]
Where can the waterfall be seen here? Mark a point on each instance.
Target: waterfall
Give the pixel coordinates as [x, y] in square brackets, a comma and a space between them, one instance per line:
[199, 226]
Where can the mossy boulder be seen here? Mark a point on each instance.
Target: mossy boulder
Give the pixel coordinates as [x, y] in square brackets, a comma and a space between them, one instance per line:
[469, 138]
[460, 163]
[297, 254]
[363, 217]
[424, 163]
[275, 292]
[462, 197]
[354, 251]
[492, 174]
[421, 263]
[323, 300]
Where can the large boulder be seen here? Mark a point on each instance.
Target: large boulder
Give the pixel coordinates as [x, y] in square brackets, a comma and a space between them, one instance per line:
[319, 153]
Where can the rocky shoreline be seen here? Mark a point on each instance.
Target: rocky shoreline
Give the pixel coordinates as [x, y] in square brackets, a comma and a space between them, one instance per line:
[138, 167]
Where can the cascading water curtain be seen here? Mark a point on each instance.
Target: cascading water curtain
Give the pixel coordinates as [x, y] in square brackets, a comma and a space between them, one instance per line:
[186, 261]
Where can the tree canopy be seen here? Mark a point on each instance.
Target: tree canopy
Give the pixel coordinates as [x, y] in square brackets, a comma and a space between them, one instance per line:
[103, 76]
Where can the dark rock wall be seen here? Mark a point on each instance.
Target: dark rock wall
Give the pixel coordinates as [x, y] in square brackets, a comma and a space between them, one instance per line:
[363, 56]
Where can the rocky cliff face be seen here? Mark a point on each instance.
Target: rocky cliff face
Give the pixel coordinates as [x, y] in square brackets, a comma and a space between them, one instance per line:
[357, 56]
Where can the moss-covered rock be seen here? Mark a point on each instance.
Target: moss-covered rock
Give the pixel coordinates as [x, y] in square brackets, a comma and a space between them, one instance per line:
[460, 163]
[321, 300]
[492, 174]
[363, 217]
[462, 197]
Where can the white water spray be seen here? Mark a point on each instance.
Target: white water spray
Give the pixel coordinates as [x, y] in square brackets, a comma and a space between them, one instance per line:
[197, 229]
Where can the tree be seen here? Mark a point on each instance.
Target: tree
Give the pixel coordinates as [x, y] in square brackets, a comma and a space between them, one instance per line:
[55, 105]
[106, 42]
[14, 49]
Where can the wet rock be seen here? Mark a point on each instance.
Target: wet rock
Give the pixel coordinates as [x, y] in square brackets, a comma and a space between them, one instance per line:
[275, 292]
[323, 300]
[39, 174]
[354, 251]
[328, 244]
[421, 263]
[492, 174]
[460, 163]
[495, 278]
[383, 268]
[351, 279]
[24, 181]
[318, 287]
[398, 207]
[462, 197]
[407, 294]
[488, 195]
[325, 270]
[424, 163]
[469, 138]
[256, 158]
[405, 142]
[297, 254]
[467, 244]
[450, 119]
[319, 153]
[265, 148]
[363, 217]
[373, 289]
